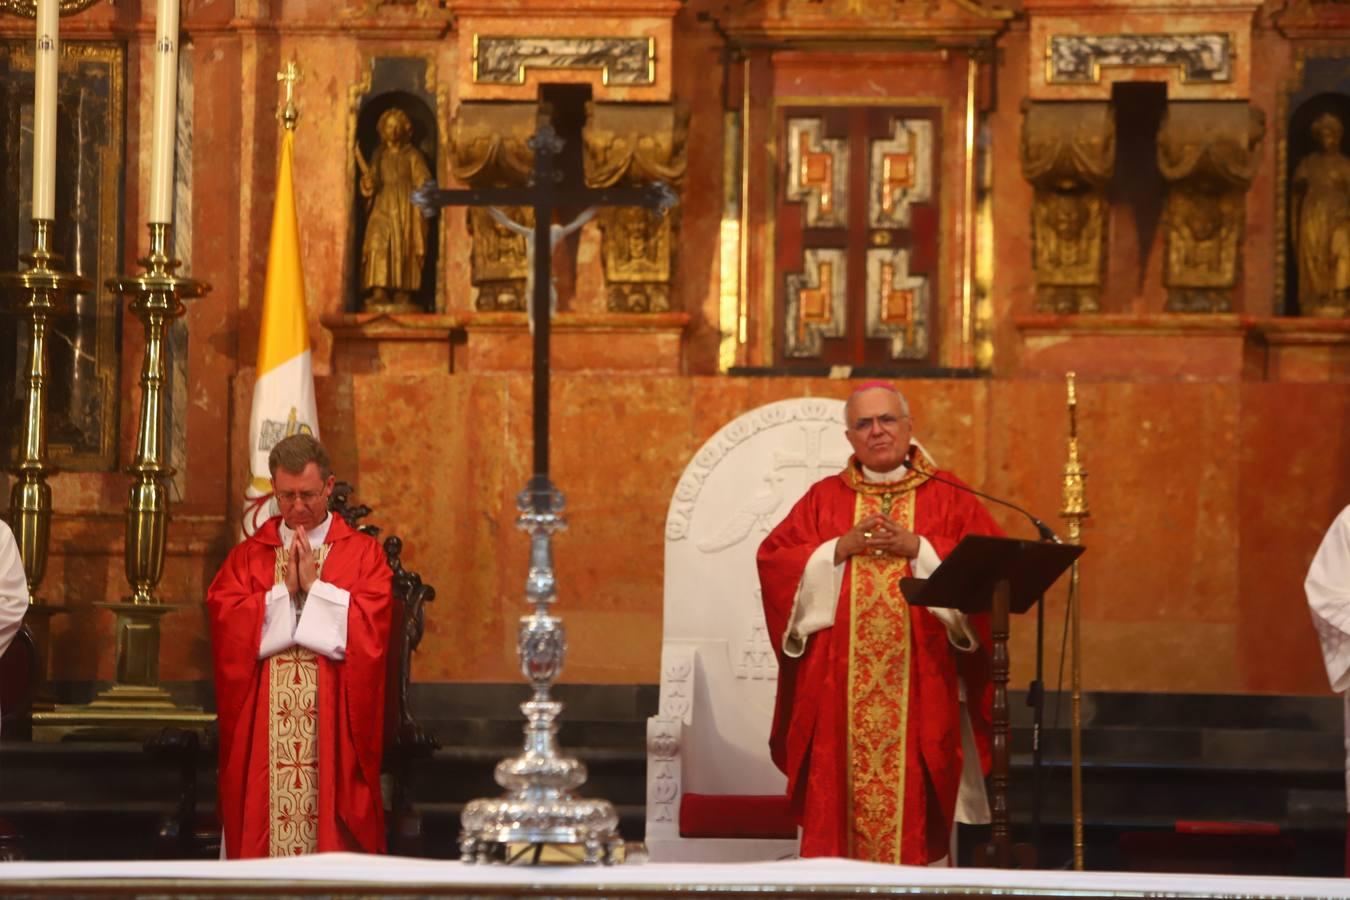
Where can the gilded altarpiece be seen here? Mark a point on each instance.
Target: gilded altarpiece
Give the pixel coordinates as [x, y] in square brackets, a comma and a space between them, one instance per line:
[634, 144]
[1207, 155]
[857, 235]
[83, 399]
[1068, 155]
[489, 149]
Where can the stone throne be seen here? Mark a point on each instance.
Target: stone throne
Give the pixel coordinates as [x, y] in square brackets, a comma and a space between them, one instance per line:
[712, 791]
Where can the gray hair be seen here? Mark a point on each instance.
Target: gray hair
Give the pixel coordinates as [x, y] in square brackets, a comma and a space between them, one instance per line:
[880, 386]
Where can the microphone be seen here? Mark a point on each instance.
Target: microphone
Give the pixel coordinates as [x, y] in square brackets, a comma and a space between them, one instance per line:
[1044, 530]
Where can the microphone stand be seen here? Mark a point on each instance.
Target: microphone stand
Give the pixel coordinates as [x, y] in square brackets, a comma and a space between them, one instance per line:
[1036, 691]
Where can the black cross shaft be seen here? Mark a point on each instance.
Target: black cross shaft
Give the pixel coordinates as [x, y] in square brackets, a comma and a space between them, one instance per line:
[544, 194]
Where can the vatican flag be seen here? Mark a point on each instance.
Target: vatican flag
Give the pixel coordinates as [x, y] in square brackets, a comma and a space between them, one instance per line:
[283, 397]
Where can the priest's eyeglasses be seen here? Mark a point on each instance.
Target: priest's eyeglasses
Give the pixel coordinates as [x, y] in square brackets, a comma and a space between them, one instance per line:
[288, 497]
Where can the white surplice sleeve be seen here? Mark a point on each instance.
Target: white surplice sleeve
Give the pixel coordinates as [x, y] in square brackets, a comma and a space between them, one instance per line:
[1328, 590]
[278, 630]
[13, 588]
[323, 623]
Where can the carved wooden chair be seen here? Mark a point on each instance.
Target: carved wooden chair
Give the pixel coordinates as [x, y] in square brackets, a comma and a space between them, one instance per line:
[405, 740]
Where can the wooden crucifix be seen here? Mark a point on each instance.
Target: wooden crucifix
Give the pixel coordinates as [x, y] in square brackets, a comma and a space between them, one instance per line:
[544, 193]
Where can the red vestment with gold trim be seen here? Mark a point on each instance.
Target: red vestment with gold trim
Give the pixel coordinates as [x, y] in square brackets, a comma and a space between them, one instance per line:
[350, 707]
[867, 721]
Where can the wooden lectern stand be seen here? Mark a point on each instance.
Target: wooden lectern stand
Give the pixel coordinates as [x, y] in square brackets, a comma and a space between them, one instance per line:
[1000, 576]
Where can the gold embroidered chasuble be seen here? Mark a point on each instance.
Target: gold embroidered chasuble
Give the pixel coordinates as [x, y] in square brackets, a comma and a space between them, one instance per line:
[880, 668]
[293, 746]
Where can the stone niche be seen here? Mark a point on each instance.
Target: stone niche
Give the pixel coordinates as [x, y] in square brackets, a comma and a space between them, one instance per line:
[601, 76]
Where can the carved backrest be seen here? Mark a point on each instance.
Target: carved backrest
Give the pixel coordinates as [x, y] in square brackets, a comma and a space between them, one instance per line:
[18, 678]
[403, 736]
[718, 668]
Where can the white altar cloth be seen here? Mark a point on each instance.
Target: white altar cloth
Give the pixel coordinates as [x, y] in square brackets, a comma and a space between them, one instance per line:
[787, 878]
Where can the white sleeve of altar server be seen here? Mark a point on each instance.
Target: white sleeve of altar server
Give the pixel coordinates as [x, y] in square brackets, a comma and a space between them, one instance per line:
[323, 623]
[13, 588]
[1328, 589]
[278, 630]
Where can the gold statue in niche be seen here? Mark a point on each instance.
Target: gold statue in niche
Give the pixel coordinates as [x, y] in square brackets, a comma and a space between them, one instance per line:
[1320, 221]
[394, 249]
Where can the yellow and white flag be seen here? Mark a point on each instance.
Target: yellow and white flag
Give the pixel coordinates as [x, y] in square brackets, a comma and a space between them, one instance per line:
[283, 397]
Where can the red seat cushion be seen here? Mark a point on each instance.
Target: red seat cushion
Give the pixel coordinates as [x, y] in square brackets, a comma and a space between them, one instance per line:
[736, 816]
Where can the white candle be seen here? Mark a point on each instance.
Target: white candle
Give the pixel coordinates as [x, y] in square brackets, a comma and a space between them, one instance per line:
[45, 53]
[165, 121]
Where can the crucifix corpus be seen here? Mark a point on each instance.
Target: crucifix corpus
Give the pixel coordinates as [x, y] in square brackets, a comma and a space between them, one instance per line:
[540, 809]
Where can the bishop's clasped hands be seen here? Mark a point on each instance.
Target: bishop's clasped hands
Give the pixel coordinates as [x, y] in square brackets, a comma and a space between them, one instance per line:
[876, 535]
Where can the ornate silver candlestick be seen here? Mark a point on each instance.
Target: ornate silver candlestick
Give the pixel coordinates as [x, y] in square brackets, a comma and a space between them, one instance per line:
[540, 809]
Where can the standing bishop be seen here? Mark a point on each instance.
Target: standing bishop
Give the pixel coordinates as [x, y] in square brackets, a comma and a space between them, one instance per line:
[299, 629]
[868, 724]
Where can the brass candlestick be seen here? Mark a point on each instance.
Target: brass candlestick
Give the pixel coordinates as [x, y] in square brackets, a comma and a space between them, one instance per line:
[136, 705]
[1075, 511]
[41, 292]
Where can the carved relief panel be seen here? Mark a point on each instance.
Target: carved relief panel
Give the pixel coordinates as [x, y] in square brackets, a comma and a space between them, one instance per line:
[636, 144]
[856, 238]
[489, 149]
[1068, 155]
[1207, 154]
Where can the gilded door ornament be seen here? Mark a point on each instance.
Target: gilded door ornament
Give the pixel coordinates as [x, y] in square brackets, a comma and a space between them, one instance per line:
[631, 144]
[817, 173]
[897, 303]
[1319, 221]
[488, 149]
[901, 173]
[1068, 155]
[817, 301]
[1207, 155]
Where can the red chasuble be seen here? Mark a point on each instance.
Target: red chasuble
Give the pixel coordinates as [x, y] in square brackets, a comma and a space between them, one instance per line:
[350, 696]
[867, 721]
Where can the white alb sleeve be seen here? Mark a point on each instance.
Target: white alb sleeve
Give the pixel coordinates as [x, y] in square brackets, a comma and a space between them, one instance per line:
[278, 630]
[323, 623]
[959, 632]
[817, 596]
[1328, 590]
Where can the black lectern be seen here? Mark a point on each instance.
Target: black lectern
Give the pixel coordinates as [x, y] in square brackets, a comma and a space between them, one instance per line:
[999, 576]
